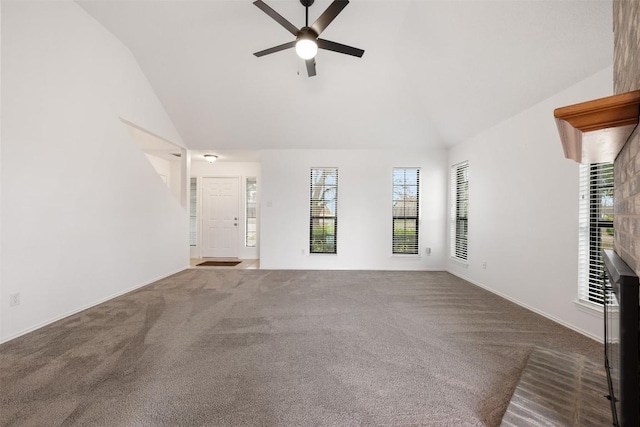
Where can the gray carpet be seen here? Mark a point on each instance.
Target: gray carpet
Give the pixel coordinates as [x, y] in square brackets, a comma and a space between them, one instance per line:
[280, 348]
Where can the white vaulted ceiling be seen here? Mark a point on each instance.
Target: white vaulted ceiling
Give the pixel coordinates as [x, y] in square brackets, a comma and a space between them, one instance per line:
[433, 72]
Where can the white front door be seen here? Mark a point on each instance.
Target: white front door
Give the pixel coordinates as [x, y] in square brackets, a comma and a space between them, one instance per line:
[220, 217]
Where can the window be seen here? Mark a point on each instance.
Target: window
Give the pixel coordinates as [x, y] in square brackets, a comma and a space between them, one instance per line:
[323, 230]
[193, 217]
[596, 228]
[459, 211]
[250, 226]
[405, 208]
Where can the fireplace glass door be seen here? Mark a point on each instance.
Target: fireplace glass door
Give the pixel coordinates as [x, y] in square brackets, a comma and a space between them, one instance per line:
[612, 347]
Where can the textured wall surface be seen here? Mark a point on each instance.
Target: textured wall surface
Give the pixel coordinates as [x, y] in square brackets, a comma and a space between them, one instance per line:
[626, 76]
[626, 55]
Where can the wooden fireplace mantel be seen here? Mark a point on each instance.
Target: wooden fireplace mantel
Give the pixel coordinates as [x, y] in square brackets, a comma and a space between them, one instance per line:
[595, 131]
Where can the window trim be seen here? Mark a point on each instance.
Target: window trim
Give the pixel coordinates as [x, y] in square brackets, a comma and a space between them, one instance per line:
[458, 247]
[415, 218]
[254, 180]
[313, 207]
[193, 211]
[591, 277]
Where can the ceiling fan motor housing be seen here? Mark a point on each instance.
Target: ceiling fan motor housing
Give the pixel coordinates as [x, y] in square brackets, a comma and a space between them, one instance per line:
[307, 3]
[306, 33]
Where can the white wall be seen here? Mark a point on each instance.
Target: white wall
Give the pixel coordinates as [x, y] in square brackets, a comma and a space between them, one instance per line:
[242, 170]
[364, 209]
[84, 215]
[2, 300]
[523, 210]
[169, 171]
[162, 167]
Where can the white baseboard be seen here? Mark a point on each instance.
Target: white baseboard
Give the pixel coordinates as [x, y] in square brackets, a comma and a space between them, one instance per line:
[87, 306]
[528, 307]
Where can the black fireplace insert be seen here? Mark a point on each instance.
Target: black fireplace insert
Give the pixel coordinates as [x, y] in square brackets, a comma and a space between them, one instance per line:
[621, 333]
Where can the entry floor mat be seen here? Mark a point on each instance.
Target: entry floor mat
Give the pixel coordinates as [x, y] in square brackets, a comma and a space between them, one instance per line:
[218, 263]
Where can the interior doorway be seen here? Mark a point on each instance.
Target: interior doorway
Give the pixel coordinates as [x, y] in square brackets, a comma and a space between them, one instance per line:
[220, 217]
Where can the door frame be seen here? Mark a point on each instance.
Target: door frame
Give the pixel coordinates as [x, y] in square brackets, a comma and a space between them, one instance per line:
[200, 209]
[195, 252]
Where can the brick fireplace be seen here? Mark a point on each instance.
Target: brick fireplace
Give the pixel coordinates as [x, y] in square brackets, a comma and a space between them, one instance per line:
[626, 77]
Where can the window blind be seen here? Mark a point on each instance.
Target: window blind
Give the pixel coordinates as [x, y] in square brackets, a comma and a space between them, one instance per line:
[459, 222]
[193, 217]
[405, 209]
[323, 221]
[595, 229]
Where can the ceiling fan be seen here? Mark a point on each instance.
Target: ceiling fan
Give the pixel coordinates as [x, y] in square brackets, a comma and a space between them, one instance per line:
[307, 40]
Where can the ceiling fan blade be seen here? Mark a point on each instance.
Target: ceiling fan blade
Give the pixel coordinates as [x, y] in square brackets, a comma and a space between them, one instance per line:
[311, 67]
[277, 17]
[275, 49]
[340, 48]
[329, 15]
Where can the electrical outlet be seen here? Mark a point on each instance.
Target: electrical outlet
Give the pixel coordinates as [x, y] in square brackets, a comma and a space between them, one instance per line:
[428, 251]
[484, 265]
[14, 299]
[302, 252]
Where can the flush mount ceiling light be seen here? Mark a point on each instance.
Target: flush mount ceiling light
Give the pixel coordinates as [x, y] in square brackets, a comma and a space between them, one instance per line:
[210, 158]
[307, 40]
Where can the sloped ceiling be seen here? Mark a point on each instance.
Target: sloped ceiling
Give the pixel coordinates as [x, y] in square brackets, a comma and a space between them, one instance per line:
[433, 74]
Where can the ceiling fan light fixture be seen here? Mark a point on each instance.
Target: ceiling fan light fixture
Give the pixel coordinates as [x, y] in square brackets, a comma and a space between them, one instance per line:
[306, 48]
[307, 40]
[210, 158]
